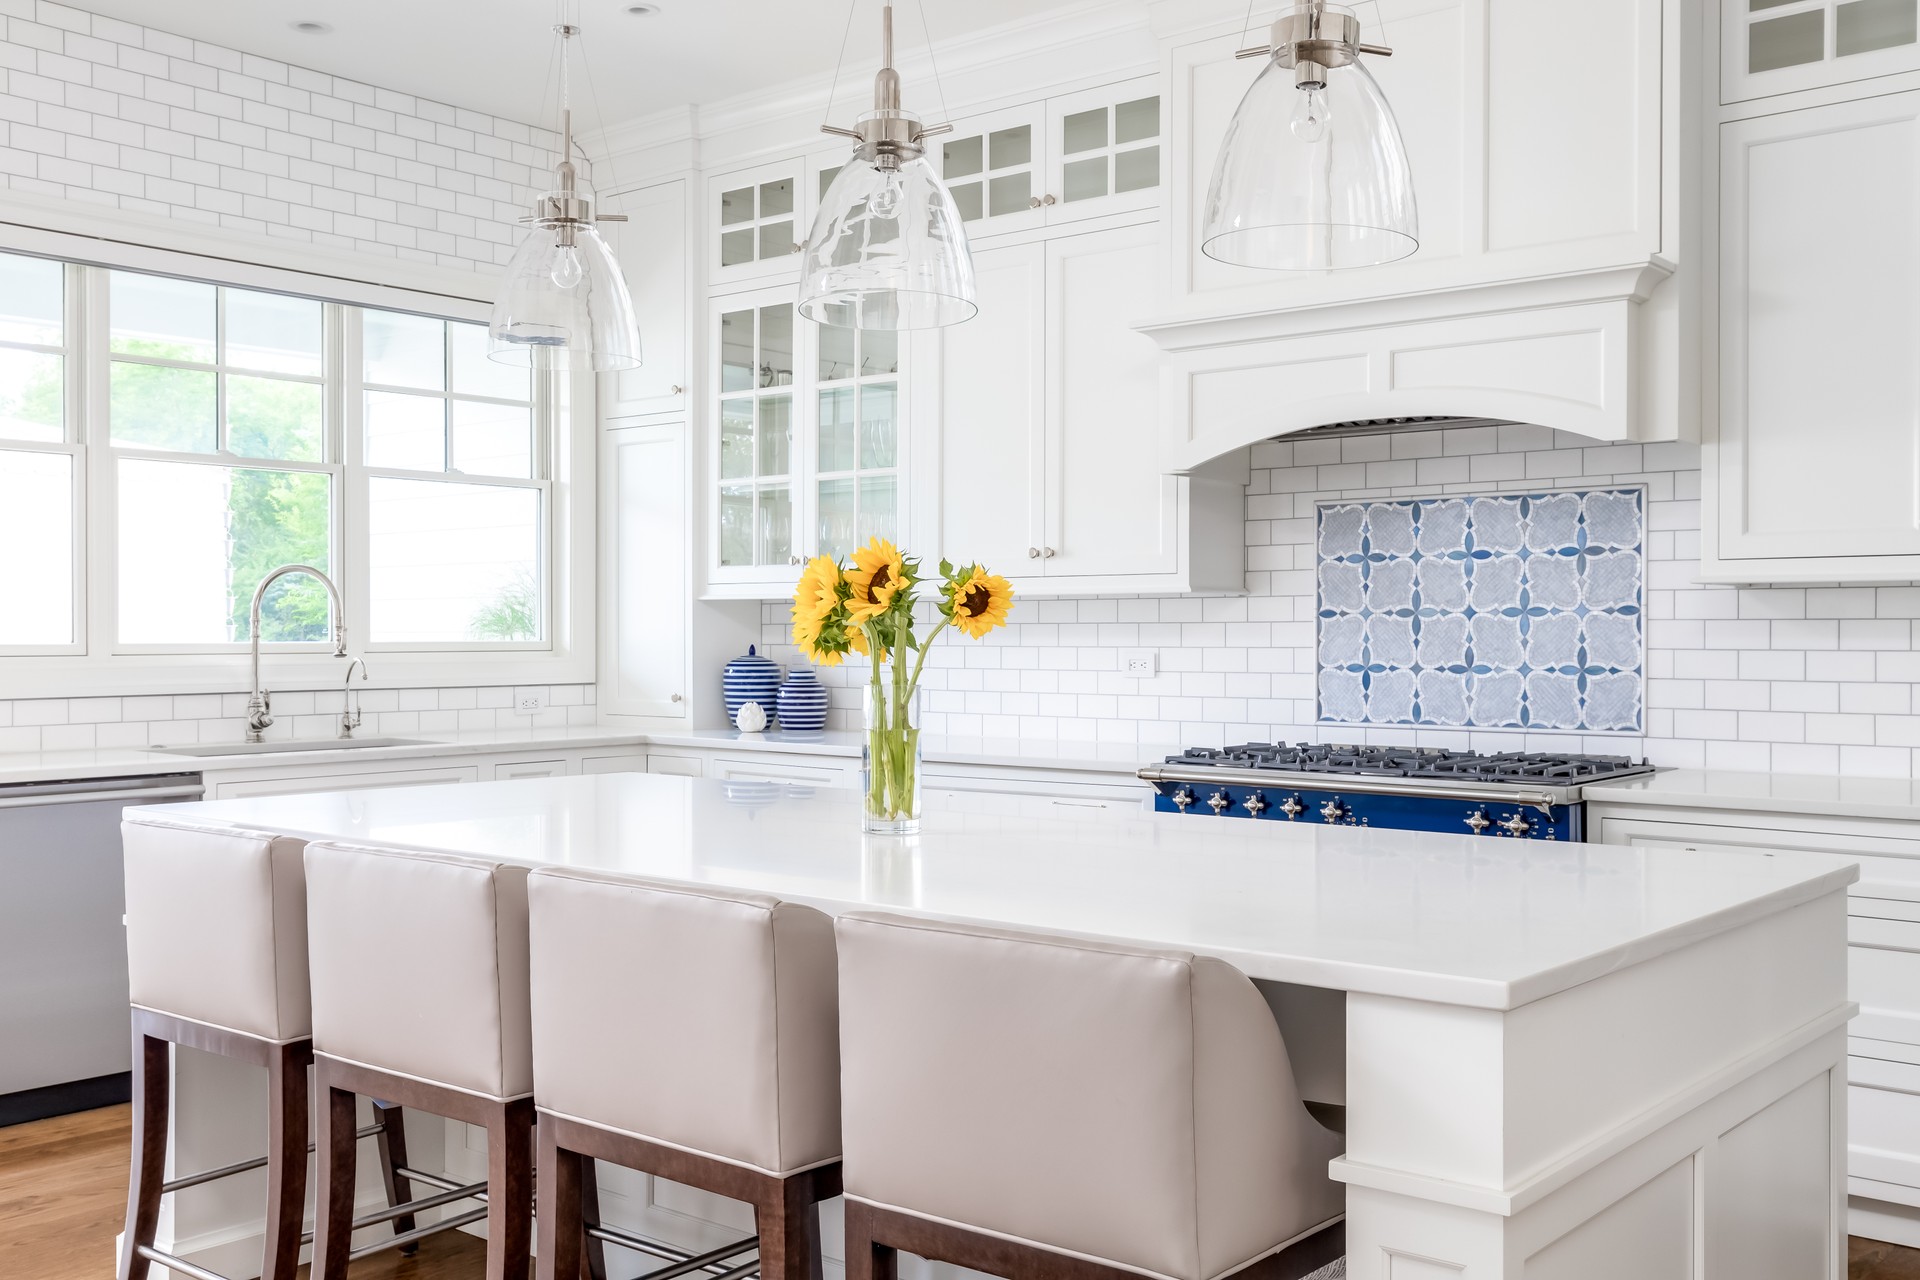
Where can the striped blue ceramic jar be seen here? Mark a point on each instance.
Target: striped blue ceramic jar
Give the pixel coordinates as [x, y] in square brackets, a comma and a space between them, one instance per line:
[750, 679]
[803, 702]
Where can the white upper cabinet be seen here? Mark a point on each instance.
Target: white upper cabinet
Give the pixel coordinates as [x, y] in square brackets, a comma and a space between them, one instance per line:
[1075, 156]
[1780, 46]
[756, 222]
[651, 247]
[1044, 424]
[1814, 474]
[644, 567]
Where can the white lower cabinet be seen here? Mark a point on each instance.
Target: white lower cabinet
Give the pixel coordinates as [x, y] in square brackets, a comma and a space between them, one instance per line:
[675, 765]
[1883, 975]
[622, 762]
[1041, 422]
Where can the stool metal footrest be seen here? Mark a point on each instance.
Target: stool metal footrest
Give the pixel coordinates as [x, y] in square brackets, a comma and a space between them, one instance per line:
[418, 1233]
[245, 1166]
[175, 1263]
[684, 1263]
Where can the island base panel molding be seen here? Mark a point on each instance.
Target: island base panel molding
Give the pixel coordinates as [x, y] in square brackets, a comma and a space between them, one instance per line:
[1540, 1143]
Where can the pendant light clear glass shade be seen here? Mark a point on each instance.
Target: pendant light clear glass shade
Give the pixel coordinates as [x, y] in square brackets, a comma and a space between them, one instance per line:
[887, 251]
[568, 301]
[1311, 180]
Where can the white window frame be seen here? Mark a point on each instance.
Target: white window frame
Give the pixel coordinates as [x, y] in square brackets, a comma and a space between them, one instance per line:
[98, 665]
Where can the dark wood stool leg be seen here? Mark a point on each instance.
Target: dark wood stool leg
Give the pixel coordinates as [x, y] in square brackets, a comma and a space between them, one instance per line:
[560, 1213]
[867, 1258]
[151, 1088]
[789, 1224]
[289, 1104]
[510, 1193]
[333, 1210]
[392, 1143]
[595, 1249]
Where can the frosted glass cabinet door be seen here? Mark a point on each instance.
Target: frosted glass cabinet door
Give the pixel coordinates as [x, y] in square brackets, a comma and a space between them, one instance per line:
[995, 165]
[1819, 451]
[756, 222]
[651, 247]
[1103, 150]
[1780, 46]
[760, 385]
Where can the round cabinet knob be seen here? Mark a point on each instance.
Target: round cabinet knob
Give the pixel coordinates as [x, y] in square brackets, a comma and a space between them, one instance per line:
[1333, 811]
[1033, 553]
[1034, 203]
[1183, 798]
[796, 248]
[1047, 552]
[1478, 821]
[679, 390]
[1255, 804]
[678, 698]
[793, 560]
[1219, 801]
[1292, 807]
[1517, 825]
[1048, 200]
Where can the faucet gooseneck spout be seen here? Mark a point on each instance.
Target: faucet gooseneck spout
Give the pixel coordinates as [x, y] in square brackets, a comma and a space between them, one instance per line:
[259, 704]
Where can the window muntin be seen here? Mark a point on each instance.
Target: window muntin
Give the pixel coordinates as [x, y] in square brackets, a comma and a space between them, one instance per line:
[457, 488]
[39, 463]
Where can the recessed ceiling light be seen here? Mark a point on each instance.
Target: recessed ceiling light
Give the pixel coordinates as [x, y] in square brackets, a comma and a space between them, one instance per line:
[311, 28]
[641, 10]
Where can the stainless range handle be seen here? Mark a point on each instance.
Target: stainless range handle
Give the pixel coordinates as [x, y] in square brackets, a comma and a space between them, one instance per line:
[1361, 784]
[88, 797]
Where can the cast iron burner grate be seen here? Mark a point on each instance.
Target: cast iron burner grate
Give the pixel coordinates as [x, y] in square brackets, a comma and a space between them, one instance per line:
[1411, 762]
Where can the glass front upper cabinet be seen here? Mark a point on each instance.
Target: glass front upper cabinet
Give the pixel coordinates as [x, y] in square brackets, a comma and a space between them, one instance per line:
[1104, 150]
[994, 165]
[757, 221]
[857, 462]
[1781, 46]
[756, 357]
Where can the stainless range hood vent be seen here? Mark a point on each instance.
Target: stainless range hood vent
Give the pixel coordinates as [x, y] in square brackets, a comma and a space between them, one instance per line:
[1384, 426]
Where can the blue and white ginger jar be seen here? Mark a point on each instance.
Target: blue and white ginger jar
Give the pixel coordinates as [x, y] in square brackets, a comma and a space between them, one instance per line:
[803, 702]
[750, 679]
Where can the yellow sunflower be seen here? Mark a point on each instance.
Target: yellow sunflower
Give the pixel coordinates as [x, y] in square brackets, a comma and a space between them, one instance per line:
[980, 601]
[879, 574]
[817, 592]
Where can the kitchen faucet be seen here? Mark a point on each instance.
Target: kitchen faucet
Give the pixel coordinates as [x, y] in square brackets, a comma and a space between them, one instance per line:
[350, 710]
[260, 704]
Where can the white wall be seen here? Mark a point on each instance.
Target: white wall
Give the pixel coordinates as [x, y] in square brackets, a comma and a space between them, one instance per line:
[106, 112]
[1801, 680]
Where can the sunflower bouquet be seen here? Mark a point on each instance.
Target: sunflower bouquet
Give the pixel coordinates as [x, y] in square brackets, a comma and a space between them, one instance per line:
[866, 609]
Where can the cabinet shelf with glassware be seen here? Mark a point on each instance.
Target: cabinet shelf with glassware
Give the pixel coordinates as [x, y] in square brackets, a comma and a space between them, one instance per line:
[807, 441]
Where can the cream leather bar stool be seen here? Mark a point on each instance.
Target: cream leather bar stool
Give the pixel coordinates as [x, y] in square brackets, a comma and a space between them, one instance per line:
[1034, 1106]
[690, 1034]
[419, 971]
[217, 961]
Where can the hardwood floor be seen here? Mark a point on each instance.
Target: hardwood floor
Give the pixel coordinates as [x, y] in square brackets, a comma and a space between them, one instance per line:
[63, 1194]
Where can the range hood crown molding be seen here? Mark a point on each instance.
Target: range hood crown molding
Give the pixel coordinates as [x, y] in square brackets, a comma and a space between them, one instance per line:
[1630, 282]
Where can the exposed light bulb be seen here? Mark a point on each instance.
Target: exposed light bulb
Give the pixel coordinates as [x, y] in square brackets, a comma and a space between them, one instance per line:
[567, 270]
[885, 202]
[1311, 115]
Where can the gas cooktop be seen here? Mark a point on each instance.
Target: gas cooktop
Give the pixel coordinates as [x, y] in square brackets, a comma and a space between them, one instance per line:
[1439, 763]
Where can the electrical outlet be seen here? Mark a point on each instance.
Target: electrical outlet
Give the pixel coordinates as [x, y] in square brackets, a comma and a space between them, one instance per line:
[526, 704]
[1139, 662]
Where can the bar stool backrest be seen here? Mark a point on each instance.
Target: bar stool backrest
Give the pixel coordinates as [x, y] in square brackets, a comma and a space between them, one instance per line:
[1133, 1107]
[698, 1018]
[419, 965]
[217, 926]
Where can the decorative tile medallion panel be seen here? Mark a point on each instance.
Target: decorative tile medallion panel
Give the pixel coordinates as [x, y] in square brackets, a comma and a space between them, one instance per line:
[1509, 611]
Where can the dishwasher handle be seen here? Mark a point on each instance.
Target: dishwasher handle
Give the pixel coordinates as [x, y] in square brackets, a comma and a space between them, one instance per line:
[194, 791]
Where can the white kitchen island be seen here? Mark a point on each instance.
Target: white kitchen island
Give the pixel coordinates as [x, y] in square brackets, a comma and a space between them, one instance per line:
[1561, 1061]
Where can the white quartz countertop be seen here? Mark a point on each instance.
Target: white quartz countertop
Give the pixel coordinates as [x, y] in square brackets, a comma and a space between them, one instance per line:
[1453, 919]
[1014, 753]
[1801, 793]
[134, 762]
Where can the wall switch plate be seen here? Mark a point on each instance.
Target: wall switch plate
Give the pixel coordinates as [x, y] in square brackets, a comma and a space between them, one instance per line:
[1139, 662]
[525, 704]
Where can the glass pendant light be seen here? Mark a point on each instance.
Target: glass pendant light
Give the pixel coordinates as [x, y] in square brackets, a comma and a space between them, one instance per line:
[1312, 175]
[887, 250]
[564, 296]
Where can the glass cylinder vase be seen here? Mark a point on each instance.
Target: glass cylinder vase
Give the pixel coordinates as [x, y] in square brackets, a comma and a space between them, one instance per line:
[890, 758]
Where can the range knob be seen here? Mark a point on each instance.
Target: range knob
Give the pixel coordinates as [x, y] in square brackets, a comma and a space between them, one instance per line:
[1183, 798]
[1333, 811]
[1292, 807]
[1255, 804]
[1478, 821]
[1219, 801]
[1517, 825]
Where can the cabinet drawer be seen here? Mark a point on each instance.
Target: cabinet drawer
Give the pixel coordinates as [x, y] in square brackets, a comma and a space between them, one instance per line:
[1889, 864]
[343, 782]
[625, 762]
[1883, 1135]
[751, 770]
[676, 766]
[529, 769]
[1886, 983]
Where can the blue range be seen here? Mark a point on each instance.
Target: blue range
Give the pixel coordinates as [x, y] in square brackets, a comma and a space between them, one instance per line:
[1511, 794]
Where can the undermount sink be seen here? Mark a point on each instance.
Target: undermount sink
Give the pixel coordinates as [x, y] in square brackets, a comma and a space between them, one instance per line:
[288, 744]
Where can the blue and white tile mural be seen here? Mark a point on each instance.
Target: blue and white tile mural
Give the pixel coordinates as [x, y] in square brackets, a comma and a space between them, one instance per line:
[1508, 611]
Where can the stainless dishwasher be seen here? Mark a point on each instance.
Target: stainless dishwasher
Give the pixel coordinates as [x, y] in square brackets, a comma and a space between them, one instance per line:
[64, 1043]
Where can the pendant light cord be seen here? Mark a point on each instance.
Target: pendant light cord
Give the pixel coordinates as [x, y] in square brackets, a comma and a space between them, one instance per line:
[1246, 25]
[845, 35]
[939, 89]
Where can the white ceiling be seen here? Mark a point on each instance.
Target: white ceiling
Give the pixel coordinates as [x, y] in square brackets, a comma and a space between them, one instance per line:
[493, 55]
